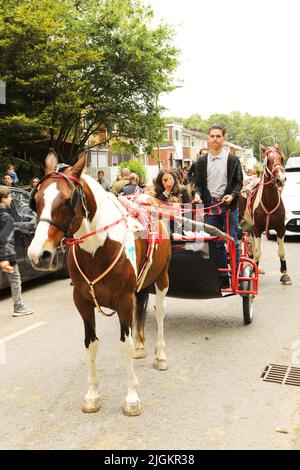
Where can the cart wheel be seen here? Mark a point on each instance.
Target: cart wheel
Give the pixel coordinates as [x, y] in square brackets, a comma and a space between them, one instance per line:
[248, 301]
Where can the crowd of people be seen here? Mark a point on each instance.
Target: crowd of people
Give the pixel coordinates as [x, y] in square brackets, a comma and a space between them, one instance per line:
[214, 179]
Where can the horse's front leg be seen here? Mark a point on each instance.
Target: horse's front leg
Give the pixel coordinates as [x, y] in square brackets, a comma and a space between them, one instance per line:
[132, 406]
[160, 362]
[285, 278]
[91, 402]
[256, 245]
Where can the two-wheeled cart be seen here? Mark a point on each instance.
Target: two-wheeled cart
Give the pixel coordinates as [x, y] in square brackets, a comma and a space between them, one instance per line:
[194, 272]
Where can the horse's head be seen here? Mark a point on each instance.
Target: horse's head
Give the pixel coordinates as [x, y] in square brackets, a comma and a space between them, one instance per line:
[59, 202]
[273, 168]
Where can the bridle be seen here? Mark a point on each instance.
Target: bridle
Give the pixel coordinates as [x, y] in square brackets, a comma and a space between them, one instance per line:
[277, 164]
[270, 175]
[76, 196]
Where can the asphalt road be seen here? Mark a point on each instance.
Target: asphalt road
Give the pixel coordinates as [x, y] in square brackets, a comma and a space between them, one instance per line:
[212, 396]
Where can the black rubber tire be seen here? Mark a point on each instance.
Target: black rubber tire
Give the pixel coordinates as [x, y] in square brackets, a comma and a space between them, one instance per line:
[248, 309]
[248, 299]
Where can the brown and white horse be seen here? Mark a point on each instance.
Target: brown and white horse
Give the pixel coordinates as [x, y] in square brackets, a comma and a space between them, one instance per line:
[104, 267]
[261, 207]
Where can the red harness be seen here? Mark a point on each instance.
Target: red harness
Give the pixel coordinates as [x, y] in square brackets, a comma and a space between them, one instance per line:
[266, 211]
[153, 238]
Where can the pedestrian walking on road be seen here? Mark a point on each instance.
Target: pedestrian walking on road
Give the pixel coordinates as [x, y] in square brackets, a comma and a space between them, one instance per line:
[8, 259]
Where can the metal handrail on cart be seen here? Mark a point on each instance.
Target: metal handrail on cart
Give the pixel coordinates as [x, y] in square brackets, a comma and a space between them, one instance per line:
[238, 279]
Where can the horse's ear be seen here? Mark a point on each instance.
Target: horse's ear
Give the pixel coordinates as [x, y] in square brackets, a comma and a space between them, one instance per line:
[51, 162]
[262, 149]
[77, 169]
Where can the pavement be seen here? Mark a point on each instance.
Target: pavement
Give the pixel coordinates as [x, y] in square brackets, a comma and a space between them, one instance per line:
[211, 397]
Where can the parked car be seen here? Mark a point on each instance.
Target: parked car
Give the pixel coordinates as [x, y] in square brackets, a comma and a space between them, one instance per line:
[21, 212]
[291, 195]
[293, 164]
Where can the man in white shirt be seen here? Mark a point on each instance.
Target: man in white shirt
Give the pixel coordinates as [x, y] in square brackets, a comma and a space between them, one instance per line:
[218, 181]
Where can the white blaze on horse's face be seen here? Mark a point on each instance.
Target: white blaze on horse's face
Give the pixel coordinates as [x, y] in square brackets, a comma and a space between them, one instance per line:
[40, 242]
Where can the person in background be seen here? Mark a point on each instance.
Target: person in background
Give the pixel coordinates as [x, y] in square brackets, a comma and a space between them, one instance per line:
[167, 186]
[142, 183]
[118, 185]
[33, 183]
[191, 172]
[219, 180]
[7, 180]
[8, 259]
[105, 185]
[10, 170]
[184, 179]
[132, 187]
[168, 189]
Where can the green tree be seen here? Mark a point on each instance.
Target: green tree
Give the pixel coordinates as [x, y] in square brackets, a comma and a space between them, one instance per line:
[195, 121]
[135, 166]
[73, 65]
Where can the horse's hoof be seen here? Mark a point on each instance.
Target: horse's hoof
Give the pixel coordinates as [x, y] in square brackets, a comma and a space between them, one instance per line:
[132, 409]
[139, 353]
[286, 280]
[160, 364]
[91, 406]
[261, 271]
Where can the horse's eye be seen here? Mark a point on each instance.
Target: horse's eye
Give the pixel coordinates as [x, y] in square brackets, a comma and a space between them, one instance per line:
[67, 203]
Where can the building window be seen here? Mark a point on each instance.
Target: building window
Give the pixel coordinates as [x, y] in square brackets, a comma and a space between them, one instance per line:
[186, 141]
[177, 135]
[166, 135]
[115, 160]
[193, 143]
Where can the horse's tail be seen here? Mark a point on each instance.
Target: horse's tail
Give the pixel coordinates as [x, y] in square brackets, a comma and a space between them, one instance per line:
[142, 298]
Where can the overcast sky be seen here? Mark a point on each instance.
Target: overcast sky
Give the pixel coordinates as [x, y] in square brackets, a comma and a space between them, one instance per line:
[237, 55]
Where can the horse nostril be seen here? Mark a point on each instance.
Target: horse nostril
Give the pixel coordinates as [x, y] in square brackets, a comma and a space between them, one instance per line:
[46, 255]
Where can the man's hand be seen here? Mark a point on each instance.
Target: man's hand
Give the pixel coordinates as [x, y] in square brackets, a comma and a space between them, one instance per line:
[6, 267]
[227, 199]
[197, 199]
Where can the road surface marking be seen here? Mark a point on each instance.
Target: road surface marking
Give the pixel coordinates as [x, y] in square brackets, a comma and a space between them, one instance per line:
[22, 332]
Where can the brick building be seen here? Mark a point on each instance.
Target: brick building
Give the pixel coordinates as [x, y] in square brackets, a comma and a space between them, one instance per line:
[181, 147]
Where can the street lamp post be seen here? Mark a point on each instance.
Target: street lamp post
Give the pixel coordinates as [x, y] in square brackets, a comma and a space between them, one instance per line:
[2, 93]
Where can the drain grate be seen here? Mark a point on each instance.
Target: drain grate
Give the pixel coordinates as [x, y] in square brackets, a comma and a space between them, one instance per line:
[276, 373]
